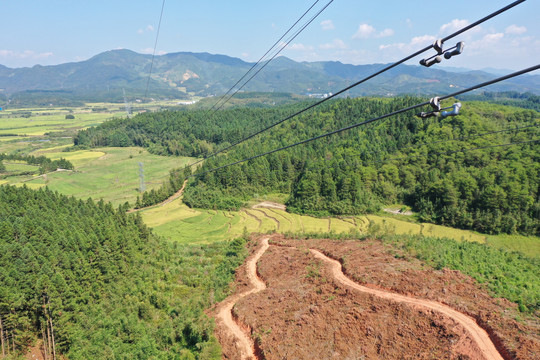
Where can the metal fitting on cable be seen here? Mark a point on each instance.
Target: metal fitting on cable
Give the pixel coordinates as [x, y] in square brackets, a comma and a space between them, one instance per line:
[435, 104]
[437, 111]
[448, 53]
[455, 110]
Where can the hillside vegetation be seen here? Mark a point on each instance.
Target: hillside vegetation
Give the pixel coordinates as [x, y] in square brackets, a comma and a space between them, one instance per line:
[96, 283]
[404, 159]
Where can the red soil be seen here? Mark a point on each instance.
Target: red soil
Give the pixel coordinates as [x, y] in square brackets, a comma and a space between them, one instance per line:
[308, 311]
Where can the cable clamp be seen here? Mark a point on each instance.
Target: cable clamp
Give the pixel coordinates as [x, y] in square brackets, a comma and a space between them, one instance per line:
[437, 111]
[435, 104]
[448, 53]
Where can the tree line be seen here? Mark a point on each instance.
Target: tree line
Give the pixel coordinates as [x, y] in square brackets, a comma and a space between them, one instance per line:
[45, 164]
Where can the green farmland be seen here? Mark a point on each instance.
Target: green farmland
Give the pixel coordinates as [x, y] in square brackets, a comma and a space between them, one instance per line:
[178, 223]
[111, 174]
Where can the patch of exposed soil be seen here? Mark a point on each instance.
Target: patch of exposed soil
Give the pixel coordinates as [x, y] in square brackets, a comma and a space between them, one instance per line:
[399, 212]
[270, 205]
[35, 352]
[380, 266]
[311, 310]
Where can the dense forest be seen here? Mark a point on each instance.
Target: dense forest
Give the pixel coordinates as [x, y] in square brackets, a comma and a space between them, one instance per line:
[523, 100]
[423, 163]
[87, 281]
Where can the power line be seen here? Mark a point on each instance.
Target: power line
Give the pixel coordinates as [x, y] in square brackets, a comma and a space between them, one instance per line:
[490, 82]
[155, 46]
[266, 53]
[276, 54]
[458, 32]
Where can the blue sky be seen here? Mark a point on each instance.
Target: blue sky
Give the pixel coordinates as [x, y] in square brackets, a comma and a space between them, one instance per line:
[49, 32]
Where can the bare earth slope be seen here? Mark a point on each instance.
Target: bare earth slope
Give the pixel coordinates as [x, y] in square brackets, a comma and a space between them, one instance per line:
[311, 309]
[479, 336]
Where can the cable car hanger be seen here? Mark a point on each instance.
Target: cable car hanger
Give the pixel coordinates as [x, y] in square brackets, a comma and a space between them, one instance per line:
[448, 53]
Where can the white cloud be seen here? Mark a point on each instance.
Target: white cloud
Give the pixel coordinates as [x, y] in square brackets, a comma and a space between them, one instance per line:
[500, 51]
[415, 42]
[409, 23]
[515, 30]
[422, 40]
[386, 33]
[6, 53]
[300, 47]
[452, 26]
[486, 43]
[492, 38]
[148, 28]
[327, 25]
[364, 31]
[244, 55]
[27, 54]
[336, 44]
[150, 51]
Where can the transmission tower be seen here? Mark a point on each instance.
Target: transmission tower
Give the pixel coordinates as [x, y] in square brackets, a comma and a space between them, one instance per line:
[127, 104]
[141, 178]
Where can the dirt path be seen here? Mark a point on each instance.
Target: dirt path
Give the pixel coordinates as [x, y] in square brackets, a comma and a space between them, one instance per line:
[399, 212]
[478, 335]
[174, 196]
[224, 317]
[270, 205]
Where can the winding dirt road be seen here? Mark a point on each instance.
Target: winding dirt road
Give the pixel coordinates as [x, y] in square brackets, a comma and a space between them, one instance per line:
[174, 196]
[245, 344]
[478, 335]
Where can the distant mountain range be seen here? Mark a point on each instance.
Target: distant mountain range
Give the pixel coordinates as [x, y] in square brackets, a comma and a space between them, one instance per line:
[182, 75]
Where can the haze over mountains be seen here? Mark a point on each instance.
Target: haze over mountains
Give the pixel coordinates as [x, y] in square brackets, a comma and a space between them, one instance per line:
[185, 74]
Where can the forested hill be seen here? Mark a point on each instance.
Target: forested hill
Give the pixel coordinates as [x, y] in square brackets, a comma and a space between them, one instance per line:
[184, 74]
[93, 283]
[399, 160]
